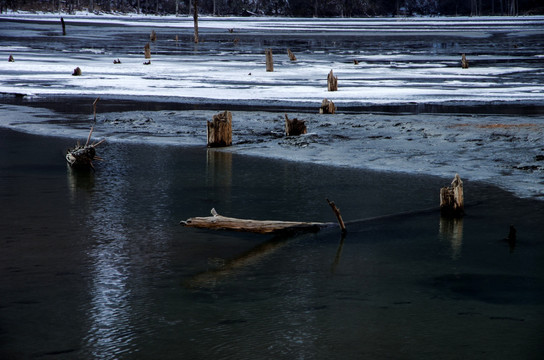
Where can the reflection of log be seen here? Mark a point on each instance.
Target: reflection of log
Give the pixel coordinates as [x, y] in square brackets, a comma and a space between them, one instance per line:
[294, 127]
[219, 130]
[83, 156]
[77, 71]
[147, 51]
[219, 222]
[452, 198]
[332, 82]
[464, 62]
[153, 36]
[292, 56]
[269, 60]
[327, 107]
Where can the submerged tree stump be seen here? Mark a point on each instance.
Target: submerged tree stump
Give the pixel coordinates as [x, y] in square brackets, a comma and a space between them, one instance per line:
[147, 51]
[452, 198]
[219, 130]
[327, 107]
[292, 56]
[332, 82]
[269, 60]
[294, 127]
[77, 71]
[464, 62]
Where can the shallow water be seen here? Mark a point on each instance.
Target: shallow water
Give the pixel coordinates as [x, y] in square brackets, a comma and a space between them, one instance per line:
[96, 266]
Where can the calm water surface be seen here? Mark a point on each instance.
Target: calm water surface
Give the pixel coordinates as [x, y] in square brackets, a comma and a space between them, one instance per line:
[96, 265]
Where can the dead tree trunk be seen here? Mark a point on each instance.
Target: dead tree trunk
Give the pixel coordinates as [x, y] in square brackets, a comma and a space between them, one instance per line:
[327, 107]
[332, 82]
[269, 60]
[452, 198]
[294, 127]
[292, 56]
[147, 51]
[464, 62]
[220, 130]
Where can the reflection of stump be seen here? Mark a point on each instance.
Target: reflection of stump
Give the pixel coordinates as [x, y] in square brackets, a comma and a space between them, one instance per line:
[153, 36]
[220, 130]
[77, 71]
[269, 60]
[332, 82]
[147, 51]
[327, 107]
[452, 198]
[292, 56]
[464, 62]
[294, 127]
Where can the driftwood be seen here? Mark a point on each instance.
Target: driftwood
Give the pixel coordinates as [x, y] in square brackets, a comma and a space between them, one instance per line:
[11, 59]
[147, 51]
[153, 36]
[77, 71]
[464, 62]
[269, 60]
[83, 156]
[332, 82]
[327, 107]
[292, 56]
[294, 127]
[219, 130]
[452, 198]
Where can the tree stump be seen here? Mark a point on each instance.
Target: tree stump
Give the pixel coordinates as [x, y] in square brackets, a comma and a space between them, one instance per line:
[153, 36]
[116, 61]
[332, 82]
[219, 130]
[327, 107]
[77, 71]
[294, 127]
[147, 51]
[292, 56]
[63, 26]
[269, 60]
[464, 62]
[11, 59]
[452, 198]
[355, 62]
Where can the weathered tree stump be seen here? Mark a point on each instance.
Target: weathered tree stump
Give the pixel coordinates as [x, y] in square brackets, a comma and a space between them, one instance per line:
[327, 107]
[77, 71]
[219, 130]
[153, 36]
[147, 51]
[452, 198]
[11, 59]
[63, 26]
[464, 62]
[355, 62]
[269, 60]
[292, 56]
[294, 127]
[332, 82]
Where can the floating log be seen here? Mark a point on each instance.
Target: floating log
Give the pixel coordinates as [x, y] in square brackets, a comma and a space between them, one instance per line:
[153, 36]
[219, 130]
[269, 60]
[63, 26]
[83, 156]
[77, 71]
[11, 59]
[294, 127]
[332, 82]
[464, 62]
[147, 51]
[292, 56]
[452, 198]
[327, 107]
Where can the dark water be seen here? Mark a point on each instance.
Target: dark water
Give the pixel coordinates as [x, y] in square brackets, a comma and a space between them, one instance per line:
[96, 265]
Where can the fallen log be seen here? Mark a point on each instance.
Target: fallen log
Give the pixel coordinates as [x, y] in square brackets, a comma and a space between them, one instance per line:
[294, 127]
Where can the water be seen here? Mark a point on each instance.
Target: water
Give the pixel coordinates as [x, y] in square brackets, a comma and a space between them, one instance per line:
[96, 265]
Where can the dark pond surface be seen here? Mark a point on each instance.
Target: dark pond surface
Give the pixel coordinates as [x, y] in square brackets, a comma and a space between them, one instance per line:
[96, 265]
